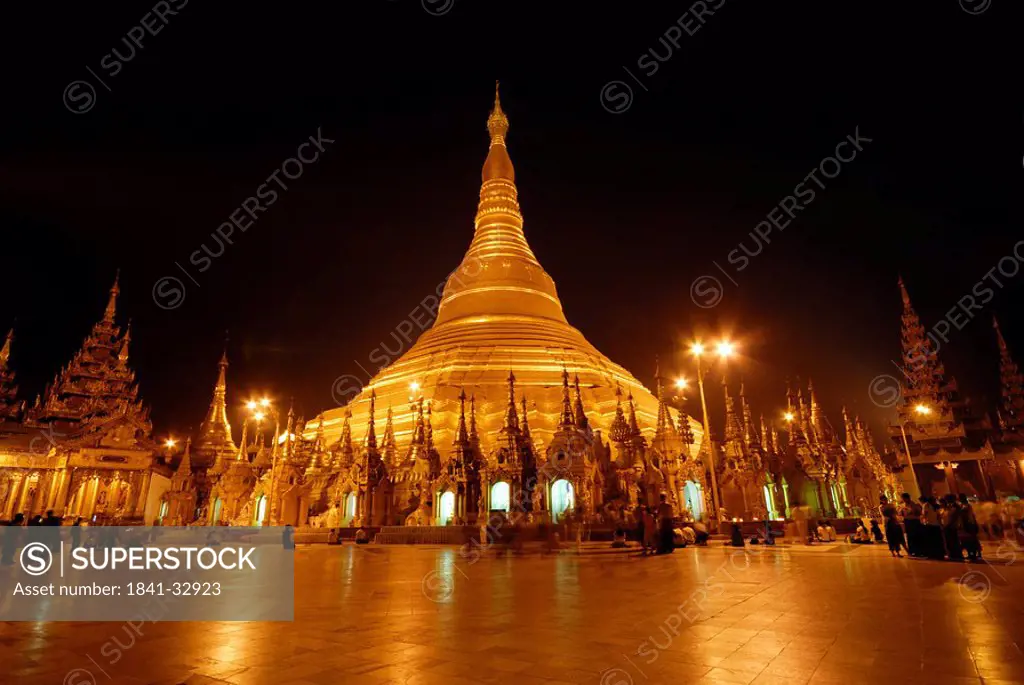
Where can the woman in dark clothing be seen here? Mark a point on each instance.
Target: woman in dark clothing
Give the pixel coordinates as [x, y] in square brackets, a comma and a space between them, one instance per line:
[969, 530]
[876, 532]
[894, 533]
[11, 539]
[951, 528]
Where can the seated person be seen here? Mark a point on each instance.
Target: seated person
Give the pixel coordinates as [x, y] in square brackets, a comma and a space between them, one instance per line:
[701, 532]
[862, 536]
[876, 531]
[619, 539]
[688, 535]
[829, 533]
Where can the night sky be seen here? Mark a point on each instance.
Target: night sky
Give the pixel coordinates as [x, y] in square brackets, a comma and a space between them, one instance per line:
[625, 210]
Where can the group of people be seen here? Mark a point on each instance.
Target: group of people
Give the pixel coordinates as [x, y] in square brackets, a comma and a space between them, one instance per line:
[933, 528]
[655, 528]
[12, 537]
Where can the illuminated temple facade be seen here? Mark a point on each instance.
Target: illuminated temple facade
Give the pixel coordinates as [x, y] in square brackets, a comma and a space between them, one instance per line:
[84, 449]
[500, 406]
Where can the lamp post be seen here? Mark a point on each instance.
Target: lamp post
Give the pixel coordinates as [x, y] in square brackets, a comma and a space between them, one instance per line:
[724, 349]
[259, 409]
[923, 410]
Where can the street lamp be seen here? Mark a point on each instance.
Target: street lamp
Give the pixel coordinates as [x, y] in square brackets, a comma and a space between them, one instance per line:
[921, 410]
[724, 349]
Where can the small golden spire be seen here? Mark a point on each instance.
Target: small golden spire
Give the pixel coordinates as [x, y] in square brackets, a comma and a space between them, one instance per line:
[497, 123]
[5, 353]
[108, 315]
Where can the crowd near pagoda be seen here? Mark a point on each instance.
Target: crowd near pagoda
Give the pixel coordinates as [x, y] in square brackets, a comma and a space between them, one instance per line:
[500, 406]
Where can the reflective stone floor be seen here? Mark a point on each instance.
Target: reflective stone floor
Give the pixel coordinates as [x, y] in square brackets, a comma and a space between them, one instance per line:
[838, 614]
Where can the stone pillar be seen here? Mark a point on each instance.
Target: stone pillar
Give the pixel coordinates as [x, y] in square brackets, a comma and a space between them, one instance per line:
[13, 493]
[143, 494]
[785, 495]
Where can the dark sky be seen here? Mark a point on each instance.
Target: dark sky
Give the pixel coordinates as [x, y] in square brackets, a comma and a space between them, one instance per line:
[624, 210]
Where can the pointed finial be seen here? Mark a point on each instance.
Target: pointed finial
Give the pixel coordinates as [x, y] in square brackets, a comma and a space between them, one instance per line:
[995, 325]
[108, 315]
[497, 122]
[903, 292]
[5, 352]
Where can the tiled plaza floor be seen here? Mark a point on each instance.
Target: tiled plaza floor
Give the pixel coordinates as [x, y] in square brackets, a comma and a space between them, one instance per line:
[839, 614]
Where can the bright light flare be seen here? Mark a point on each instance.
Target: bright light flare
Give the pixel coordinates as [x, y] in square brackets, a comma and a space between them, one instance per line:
[696, 349]
[169, 443]
[923, 409]
[725, 349]
[682, 383]
[788, 416]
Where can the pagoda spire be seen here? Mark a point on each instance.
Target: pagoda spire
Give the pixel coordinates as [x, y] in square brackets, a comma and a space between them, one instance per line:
[733, 428]
[122, 354]
[925, 375]
[499, 273]
[579, 415]
[620, 431]
[474, 437]
[215, 431]
[5, 351]
[111, 310]
[750, 434]
[371, 436]
[429, 427]
[665, 426]
[1011, 416]
[526, 420]
[346, 453]
[511, 417]
[566, 420]
[388, 443]
[461, 434]
[10, 408]
[185, 465]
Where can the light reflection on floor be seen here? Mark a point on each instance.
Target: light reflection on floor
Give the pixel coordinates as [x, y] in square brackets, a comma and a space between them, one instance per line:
[425, 615]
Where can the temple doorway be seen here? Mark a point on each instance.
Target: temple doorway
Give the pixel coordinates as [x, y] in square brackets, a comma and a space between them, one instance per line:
[446, 510]
[769, 502]
[500, 496]
[261, 511]
[562, 498]
[350, 507]
[693, 495]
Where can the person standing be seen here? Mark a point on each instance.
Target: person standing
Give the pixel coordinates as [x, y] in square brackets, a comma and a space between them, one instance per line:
[951, 528]
[650, 524]
[911, 513]
[969, 530]
[11, 539]
[931, 536]
[893, 531]
[665, 520]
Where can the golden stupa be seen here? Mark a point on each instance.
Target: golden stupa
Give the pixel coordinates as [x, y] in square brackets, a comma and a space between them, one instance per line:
[499, 312]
